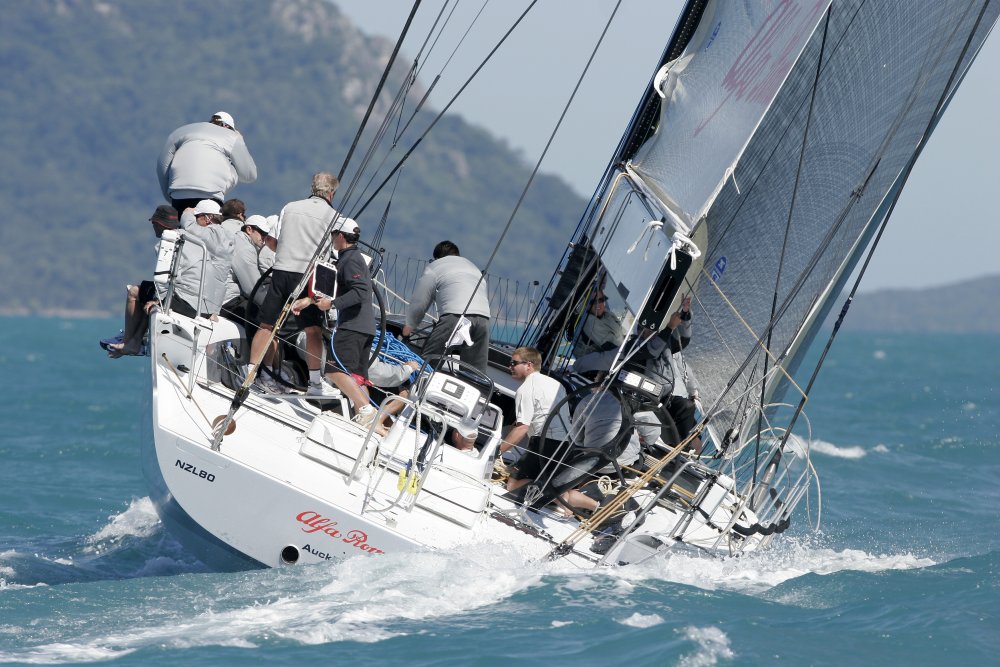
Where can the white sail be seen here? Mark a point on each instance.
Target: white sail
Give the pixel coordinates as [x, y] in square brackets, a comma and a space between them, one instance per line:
[826, 161]
[715, 94]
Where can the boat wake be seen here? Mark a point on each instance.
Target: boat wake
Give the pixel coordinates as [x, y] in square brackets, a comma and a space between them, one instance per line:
[139, 520]
[370, 600]
[830, 449]
[757, 573]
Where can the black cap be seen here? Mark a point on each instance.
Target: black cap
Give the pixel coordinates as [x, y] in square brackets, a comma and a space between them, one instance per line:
[165, 216]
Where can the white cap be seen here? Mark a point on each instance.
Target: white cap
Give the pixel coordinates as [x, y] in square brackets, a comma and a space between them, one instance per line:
[224, 117]
[260, 222]
[346, 225]
[275, 227]
[209, 206]
[468, 430]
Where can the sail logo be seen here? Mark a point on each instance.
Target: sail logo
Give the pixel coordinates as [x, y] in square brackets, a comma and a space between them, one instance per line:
[711, 38]
[765, 61]
[719, 268]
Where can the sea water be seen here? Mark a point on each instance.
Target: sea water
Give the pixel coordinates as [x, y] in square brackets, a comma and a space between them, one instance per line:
[903, 570]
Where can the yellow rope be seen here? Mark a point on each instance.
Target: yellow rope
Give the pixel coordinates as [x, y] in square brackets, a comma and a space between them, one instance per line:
[604, 513]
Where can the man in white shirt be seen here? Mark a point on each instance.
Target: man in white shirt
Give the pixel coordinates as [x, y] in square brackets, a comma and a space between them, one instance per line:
[533, 402]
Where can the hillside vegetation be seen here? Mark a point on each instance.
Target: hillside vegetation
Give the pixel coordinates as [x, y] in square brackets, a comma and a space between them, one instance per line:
[965, 307]
[92, 88]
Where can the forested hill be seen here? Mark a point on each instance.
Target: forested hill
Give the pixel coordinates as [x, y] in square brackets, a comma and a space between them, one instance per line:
[966, 307]
[92, 88]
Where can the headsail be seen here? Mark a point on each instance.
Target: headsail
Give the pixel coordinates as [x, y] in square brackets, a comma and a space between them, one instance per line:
[822, 167]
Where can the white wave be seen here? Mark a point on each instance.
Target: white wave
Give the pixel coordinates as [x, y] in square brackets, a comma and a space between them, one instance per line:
[371, 599]
[830, 449]
[363, 599]
[638, 620]
[6, 570]
[756, 573]
[713, 645]
[139, 520]
[415, 586]
[61, 653]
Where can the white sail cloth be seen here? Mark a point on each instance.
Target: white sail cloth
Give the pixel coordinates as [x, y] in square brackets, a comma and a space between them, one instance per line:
[715, 94]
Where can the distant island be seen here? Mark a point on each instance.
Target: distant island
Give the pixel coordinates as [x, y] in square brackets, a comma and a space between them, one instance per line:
[965, 307]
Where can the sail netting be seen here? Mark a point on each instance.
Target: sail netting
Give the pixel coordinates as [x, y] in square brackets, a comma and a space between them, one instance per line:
[790, 210]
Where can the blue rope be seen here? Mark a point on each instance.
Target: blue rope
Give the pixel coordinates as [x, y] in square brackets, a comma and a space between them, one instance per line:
[395, 351]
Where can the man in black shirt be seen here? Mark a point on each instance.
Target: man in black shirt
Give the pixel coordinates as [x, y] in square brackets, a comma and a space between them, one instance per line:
[347, 367]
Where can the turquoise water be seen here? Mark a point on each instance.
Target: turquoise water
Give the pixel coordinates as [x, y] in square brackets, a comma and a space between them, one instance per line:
[903, 571]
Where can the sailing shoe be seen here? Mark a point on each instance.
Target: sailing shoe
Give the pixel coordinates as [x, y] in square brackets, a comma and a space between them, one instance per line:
[324, 389]
[114, 340]
[265, 384]
[365, 416]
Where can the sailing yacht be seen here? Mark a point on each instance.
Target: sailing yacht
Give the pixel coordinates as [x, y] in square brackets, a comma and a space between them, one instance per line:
[756, 176]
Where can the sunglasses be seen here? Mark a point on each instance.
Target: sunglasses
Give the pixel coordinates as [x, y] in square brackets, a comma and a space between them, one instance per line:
[601, 299]
[514, 364]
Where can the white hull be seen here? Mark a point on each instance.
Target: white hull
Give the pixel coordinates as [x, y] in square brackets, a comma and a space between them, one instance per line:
[280, 489]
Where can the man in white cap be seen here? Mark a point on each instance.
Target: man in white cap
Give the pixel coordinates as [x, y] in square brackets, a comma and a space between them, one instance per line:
[202, 222]
[251, 256]
[204, 161]
[347, 367]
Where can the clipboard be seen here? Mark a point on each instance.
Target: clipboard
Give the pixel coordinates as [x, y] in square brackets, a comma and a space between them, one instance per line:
[323, 282]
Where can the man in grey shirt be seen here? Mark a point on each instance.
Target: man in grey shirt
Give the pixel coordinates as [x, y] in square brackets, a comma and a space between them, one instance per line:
[303, 226]
[202, 223]
[204, 161]
[251, 256]
[453, 284]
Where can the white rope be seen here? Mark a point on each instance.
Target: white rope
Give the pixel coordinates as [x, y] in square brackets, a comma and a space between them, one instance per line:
[731, 173]
[661, 78]
[650, 226]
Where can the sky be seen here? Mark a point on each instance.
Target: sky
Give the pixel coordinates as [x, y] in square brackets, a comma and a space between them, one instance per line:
[944, 229]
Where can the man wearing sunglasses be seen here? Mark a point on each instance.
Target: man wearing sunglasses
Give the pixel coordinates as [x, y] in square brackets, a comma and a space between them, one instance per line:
[601, 330]
[204, 161]
[532, 403]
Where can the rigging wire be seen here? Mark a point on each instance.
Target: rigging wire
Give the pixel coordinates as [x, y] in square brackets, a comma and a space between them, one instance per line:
[378, 88]
[538, 163]
[445, 109]
[241, 394]
[788, 223]
[412, 76]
